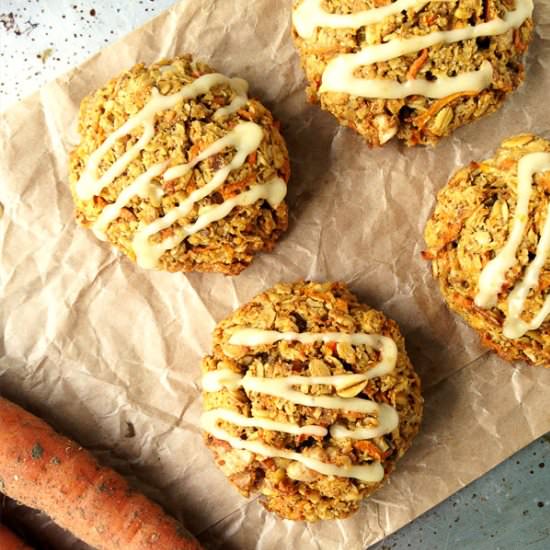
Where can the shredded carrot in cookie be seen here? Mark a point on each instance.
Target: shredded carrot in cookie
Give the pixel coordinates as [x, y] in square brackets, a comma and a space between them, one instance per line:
[431, 19]
[519, 45]
[436, 106]
[428, 255]
[371, 448]
[246, 114]
[486, 10]
[232, 189]
[417, 64]
[196, 149]
[544, 282]
[332, 346]
[507, 164]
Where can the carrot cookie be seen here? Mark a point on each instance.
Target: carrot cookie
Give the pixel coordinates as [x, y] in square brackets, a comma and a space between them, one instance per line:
[310, 400]
[415, 69]
[180, 169]
[489, 240]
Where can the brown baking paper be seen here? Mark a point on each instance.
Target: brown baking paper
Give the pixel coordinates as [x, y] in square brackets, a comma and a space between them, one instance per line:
[110, 353]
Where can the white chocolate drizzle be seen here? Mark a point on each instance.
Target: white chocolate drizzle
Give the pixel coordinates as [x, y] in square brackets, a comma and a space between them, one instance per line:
[386, 416]
[310, 15]
[368, 473]
[339, 74]
[493, 275]
[147, 253]
[90, 185]
[256, 337]
[141, 187]
[245, 138]
[263, 423]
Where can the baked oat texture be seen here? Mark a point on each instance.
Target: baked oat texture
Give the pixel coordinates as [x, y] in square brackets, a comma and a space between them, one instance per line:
[288, 488]
[416, 119]
[181, 133]
[470, 224]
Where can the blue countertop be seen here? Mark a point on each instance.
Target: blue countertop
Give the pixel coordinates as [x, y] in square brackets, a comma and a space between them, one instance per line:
[508, 508]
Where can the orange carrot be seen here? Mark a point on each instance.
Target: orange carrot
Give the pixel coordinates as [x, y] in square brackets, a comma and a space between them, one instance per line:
[544, 281]
[285, 170]
[417, 64]
[232, 189]
[9, 541]
[436, 106]
[195, 149]
[47, 471]
[486, 10]
[332, 346]
[431, 19]
[243, 113]
[520, 46]
[371, 449]
[507, 164]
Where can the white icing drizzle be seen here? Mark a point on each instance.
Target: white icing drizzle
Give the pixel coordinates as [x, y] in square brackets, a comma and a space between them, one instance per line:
[256, 337]
[388, 420]
[239, 86]
[514, 326]
[283, 387]
[339, 73]
[310, 15]
[493, 274]
[216, 380]
[368, 473]
[264, 423]
[147, 253]
[89, 184]
[245, 138]
[141, 187]
[470, 81]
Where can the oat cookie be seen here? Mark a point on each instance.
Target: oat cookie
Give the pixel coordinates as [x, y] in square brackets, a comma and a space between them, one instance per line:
[489, 242]
[310, 399]
[415, 69]
[180, 169]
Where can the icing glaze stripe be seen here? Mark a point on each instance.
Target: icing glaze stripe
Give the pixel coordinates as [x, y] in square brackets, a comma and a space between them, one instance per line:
[339, 76]
[228, 415]
[141, 187]
[310, 15]
[148, 254]
[90, 184]
[385, 418]
[283, 388]
[493, 275]
[368, 473]
[387, 347]
[514, 326]
[245, 138]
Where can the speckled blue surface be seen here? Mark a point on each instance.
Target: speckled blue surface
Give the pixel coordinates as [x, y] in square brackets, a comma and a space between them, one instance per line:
[508, 508]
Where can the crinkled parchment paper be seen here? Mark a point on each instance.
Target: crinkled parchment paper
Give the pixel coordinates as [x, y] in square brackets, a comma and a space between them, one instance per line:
[110, 353]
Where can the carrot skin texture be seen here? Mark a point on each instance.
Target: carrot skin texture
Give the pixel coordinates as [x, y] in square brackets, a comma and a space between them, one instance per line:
[10, 541]
[47, 471]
